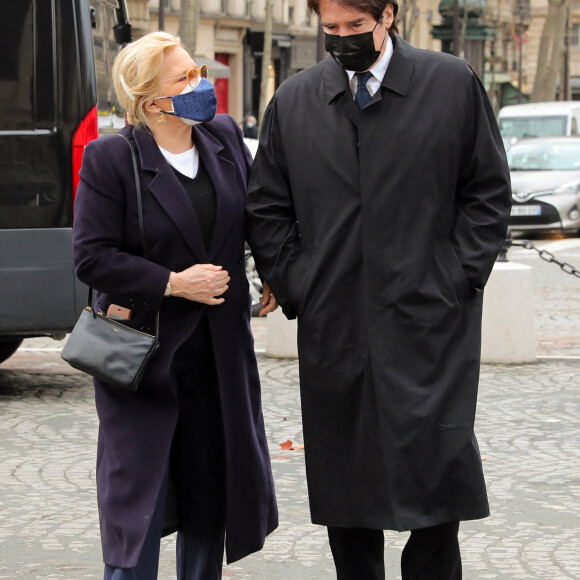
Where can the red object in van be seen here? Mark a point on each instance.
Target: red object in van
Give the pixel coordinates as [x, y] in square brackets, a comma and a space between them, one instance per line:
[87, 130]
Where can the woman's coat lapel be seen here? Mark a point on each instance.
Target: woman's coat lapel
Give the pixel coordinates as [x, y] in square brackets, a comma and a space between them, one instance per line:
[176, 204]
[222, 175]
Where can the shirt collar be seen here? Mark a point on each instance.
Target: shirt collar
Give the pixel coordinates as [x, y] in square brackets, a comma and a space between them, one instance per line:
[379, 70]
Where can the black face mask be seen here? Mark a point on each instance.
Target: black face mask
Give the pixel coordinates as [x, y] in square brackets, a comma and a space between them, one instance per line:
[354, 52]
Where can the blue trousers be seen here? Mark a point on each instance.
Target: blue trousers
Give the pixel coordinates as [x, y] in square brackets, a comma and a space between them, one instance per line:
[199, 556]
[197, 472]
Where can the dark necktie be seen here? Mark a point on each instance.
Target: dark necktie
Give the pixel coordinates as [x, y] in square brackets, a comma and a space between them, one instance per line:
[362, 93]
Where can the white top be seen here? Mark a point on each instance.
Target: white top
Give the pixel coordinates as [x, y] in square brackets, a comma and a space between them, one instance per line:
[378, 71]
[186, 162]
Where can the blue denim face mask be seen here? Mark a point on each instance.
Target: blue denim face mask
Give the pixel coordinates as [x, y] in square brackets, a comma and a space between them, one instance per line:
[193, 106]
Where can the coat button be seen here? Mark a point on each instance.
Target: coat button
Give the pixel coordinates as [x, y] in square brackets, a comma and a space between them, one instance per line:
[244, 315]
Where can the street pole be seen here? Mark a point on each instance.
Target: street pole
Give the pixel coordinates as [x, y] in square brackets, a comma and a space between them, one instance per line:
[161, 14]
[566, 81]
[266, 62]
[456, 27]
[520, 75]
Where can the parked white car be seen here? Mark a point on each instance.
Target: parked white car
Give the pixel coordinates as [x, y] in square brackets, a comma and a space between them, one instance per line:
[545, 177]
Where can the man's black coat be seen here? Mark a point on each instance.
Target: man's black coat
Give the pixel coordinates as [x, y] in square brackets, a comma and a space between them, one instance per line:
[378, 229]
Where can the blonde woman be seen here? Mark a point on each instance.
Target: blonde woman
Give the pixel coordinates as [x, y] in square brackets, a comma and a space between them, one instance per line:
[192, 438]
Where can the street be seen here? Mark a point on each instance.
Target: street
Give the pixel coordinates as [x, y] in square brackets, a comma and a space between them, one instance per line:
[528, 427]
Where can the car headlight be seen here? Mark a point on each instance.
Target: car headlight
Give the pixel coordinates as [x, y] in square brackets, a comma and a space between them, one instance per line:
[569, 188]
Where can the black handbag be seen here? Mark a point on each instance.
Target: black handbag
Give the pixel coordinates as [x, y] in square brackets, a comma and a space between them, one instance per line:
[107, 349]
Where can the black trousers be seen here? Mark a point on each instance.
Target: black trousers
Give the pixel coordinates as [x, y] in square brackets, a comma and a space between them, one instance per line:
[198, 460]
[430, 553]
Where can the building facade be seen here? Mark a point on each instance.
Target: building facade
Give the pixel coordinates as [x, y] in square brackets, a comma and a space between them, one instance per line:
[503, 65]
[231, 32]
[230, 39]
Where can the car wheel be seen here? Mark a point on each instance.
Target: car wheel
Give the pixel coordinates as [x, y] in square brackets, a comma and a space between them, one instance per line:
[8, 347]
[254, 281]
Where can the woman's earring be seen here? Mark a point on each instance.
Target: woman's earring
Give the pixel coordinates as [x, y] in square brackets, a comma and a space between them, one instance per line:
[162, 118]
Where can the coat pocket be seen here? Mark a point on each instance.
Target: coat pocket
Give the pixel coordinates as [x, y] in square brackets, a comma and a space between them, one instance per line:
[298, 283]
[464, 288]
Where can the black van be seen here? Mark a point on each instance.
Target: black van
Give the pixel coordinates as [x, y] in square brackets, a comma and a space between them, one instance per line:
[48, 113]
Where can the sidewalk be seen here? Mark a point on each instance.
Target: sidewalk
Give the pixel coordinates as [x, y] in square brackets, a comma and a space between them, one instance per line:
[528, 427]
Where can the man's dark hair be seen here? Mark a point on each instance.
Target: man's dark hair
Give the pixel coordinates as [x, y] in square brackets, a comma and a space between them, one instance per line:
[373, 7]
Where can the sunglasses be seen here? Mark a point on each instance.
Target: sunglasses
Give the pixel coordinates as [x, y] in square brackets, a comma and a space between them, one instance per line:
[192, 76]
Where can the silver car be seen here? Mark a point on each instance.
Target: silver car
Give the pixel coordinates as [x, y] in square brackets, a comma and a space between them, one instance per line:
[545, 175]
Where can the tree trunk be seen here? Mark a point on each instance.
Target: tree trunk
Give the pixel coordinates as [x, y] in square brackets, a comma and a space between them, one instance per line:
[410, 7]
[188, 24]
[550, 52]
[493, 92]
[455, 42]
[266, 62]
[462, 33]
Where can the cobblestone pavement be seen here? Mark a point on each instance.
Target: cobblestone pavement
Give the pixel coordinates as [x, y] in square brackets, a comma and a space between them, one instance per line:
[528, 428]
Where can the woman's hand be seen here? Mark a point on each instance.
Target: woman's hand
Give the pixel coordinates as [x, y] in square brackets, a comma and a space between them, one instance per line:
[203, 283]
[267, 301]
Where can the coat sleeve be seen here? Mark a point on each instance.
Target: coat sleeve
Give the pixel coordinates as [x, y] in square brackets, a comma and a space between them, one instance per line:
[247, 156]
[483, 190]
[101, 244]
[271, 225]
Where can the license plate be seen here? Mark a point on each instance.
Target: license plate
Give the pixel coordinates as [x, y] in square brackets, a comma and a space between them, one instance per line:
[526, 210]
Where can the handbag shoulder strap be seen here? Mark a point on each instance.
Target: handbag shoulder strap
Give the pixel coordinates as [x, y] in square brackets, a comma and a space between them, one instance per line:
[141, 223]
[139, 200]
[140, 214]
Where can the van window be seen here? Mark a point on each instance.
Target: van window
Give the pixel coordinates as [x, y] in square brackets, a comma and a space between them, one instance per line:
[536, 126]
[29, 188]
[24, 66]
[17, 40]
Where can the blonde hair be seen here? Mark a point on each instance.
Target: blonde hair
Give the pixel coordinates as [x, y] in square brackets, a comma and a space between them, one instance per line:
[136, 73]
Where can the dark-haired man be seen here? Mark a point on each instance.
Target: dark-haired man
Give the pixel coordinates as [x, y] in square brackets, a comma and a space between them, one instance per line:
[377, 204]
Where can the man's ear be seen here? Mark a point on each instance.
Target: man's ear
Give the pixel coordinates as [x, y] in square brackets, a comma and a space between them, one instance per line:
[388, 15]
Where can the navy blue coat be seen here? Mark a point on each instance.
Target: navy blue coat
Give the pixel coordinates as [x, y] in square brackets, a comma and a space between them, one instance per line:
[378, 229]
[136, 429]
